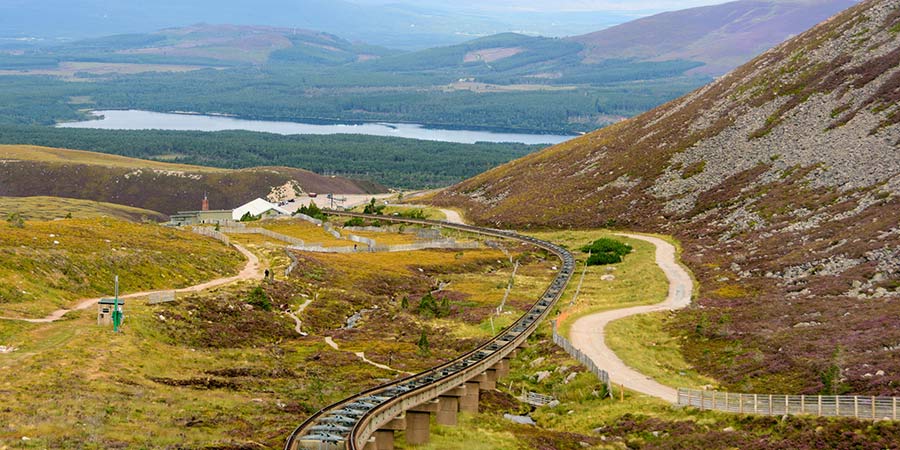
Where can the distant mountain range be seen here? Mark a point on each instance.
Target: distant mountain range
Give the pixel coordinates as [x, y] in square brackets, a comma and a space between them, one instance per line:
[708, 40]
[720, 36]
[405, 25]
[781, 180]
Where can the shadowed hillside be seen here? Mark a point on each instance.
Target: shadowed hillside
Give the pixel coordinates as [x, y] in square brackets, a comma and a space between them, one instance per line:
[167, 188]
[782, 179]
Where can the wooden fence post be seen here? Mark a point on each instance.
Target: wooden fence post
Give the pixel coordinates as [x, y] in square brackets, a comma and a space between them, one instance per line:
[802, 404]
[741, 403]
[755, 403]
[726, 401]
[787, 404]
[771, 405]
[873, 407]
[894, 408]
[856, 406]
[820, 405]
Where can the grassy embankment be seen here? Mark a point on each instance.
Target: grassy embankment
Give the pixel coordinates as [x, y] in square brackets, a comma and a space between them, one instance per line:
[51, 208]
[49, 265]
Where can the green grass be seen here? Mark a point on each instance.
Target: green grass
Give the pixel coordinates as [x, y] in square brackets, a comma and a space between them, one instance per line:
[638, 280]
[644, 344]
[51, 208]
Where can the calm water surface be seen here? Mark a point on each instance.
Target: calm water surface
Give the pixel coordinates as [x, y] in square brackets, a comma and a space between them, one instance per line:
[146, 120]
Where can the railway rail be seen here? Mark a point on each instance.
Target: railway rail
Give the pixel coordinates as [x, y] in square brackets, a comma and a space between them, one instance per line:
[351, 423]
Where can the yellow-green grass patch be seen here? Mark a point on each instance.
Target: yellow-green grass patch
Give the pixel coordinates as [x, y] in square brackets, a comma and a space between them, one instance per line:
[45, 266]
[636, 281]
[50, 208]
[644, 344]
[59, 155]
[301, 229]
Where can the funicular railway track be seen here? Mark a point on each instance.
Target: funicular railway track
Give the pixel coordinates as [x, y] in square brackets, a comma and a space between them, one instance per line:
[352, 422]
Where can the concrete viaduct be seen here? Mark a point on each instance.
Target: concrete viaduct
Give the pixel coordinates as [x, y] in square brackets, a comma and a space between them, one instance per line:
[368, 420]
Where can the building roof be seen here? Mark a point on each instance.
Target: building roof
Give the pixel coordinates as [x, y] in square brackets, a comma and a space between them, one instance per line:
[256, 207]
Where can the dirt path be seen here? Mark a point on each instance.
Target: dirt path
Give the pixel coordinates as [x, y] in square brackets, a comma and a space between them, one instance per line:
[362, 356]
[250, 272]
[297, 321]
[453, 216]
[587, 333]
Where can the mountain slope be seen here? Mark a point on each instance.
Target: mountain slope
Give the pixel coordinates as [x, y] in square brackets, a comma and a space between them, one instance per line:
[782, 179]
[39, 171]
[722, 36]
[218, 44]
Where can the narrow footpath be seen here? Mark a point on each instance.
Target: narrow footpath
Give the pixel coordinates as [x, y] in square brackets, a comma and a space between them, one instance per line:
[362, 357]
[587, 333]
[251, 271]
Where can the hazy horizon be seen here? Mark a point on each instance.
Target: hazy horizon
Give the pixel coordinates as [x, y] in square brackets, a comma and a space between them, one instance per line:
[390, 23]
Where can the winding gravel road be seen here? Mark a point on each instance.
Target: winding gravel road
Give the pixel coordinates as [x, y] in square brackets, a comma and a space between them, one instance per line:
[587, 333]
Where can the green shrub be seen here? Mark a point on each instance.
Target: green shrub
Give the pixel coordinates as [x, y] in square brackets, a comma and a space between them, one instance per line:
[355, 222]
[247, 217]
[606, 251]
[372, 208]
[312, 210]
[415, 213]
[259, 299]
[600, 259]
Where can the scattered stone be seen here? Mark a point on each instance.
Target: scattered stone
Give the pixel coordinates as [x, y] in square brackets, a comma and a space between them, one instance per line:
[729, 430]
[553, 404]
[562, 369]
[608, 277]
[570, 377]
[541, 376]
[880, 373]
[7, 349]
[807, 324]
[537, 362]
[522, 420]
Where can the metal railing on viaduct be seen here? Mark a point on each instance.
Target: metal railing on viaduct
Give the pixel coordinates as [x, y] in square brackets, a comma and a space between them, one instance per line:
[368, 420]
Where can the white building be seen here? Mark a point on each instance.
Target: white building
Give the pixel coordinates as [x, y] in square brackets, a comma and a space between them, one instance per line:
[259, 208]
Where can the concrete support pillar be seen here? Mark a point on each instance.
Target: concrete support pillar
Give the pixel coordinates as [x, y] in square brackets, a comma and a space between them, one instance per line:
[502, 368]
[384, 440]
[469, 402]
[384, 437]
[446, 413]
[490, 380]
[417, 427]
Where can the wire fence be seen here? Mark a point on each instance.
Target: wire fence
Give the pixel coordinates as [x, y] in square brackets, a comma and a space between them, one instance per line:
[209, 232]
[857, 406]
[579, 356]
[264, 232]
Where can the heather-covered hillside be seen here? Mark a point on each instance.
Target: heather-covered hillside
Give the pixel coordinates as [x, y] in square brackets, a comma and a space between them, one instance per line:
[782, 179]
[34, 171]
